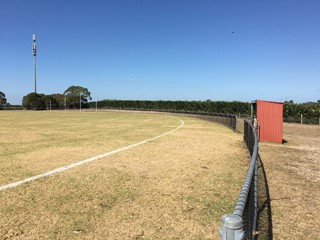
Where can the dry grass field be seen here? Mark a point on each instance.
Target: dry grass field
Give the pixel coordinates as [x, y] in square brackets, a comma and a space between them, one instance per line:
[35, 142]
[175, 187]
[293, 172]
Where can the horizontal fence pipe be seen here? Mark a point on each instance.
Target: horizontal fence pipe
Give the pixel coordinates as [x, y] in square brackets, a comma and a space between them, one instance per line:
[250, 138]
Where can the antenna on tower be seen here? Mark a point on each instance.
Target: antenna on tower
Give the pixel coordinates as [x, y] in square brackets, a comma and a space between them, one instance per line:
[34, 47]
[34, 53]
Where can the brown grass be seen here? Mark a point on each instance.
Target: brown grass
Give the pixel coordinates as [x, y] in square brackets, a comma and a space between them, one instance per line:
[293, 171]
[176, 187]
[35, 142]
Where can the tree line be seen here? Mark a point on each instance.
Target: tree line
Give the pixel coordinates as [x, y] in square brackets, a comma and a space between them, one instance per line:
[76, 95]
[291, 111]
[72, 98]
[310, 112]
[234, 107]
[4, 105]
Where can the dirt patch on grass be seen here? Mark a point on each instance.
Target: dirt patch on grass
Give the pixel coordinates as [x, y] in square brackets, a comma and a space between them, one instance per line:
[293, 171]
[176, 187]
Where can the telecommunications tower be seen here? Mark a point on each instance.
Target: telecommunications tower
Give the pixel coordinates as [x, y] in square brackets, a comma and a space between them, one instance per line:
[34, 53]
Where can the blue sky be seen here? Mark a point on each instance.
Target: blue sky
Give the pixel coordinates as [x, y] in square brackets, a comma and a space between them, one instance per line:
[163, 49]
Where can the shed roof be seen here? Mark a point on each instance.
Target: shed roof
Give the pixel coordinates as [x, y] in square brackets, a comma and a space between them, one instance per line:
[255, 101]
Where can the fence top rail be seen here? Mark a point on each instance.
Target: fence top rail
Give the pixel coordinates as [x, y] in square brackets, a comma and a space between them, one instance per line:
[242, 199]
[187, 112]
[181, 111]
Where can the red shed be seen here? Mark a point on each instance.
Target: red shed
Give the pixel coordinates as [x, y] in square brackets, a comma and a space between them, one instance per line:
[269, 116]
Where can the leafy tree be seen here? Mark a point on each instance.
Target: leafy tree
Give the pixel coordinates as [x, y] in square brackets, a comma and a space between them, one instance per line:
[3, 99]
[77, 94]
[34, 101]
[49, 100]
[57, 100]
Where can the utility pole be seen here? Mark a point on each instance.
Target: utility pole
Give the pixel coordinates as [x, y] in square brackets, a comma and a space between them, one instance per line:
[34, 53]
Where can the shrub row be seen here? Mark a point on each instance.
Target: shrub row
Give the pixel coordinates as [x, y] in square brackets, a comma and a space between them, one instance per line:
[194, 106]
[291, 111]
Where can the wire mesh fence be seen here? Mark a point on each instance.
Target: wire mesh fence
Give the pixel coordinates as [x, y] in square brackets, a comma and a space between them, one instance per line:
[229, 120]
[264, 224]
[251, 218]
[302, 119]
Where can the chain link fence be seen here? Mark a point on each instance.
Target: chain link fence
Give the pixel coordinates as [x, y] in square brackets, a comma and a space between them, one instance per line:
[251, 218]
[302, 119]
[229, 120]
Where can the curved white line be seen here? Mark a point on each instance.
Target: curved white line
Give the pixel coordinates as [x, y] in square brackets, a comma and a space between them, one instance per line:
[73, 165]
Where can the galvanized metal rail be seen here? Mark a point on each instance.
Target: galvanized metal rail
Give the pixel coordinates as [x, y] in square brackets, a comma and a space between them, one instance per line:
[229, 120]
[242, 223]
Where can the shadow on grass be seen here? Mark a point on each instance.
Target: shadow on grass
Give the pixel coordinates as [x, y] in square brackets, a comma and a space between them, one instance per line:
[265, 214]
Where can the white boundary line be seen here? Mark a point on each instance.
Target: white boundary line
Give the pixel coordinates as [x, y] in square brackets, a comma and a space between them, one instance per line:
[73, 165]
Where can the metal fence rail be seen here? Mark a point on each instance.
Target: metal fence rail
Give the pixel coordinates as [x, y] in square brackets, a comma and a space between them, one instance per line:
[243, 222]
[229, 120]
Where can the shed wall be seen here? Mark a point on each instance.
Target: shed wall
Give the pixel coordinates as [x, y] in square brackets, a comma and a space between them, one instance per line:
[270, 120]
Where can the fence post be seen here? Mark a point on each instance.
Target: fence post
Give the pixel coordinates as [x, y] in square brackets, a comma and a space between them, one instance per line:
[231, 227]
